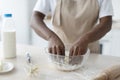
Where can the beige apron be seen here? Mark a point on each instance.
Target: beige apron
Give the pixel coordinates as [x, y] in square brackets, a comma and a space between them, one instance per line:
[73, 18]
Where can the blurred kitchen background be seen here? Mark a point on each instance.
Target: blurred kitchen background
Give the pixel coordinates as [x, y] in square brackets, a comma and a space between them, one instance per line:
[22, 10]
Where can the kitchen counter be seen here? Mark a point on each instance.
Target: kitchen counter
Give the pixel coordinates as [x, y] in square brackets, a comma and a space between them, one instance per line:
[95, 64]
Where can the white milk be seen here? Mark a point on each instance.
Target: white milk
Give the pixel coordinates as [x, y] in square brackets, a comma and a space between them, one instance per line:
[9, 43]
[8, 36]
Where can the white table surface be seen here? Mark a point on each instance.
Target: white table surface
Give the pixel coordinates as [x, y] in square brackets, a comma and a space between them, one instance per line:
[94, 64]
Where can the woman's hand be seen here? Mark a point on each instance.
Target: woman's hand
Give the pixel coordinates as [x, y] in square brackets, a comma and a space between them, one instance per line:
[79, 48]
[56, 46]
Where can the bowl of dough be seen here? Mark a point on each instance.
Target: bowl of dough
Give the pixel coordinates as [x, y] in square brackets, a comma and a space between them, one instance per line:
[68, 63]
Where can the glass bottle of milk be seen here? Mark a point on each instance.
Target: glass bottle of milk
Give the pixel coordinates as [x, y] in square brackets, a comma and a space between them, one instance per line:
[8, 37]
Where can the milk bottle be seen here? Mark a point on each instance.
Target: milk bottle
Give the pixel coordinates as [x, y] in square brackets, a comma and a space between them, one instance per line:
[8, 37]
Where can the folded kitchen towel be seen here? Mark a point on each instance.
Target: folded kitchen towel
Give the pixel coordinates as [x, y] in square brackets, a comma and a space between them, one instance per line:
[111, 73]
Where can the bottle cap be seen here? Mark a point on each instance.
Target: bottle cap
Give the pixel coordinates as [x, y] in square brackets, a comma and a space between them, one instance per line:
[8, 15]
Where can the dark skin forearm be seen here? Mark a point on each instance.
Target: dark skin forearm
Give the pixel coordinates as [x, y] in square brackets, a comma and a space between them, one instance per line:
[81, 45]
[55, 45]
[39, 26]
[99, 31]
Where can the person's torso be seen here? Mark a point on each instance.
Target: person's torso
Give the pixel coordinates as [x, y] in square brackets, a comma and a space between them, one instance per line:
[53, 5]
[71, 22]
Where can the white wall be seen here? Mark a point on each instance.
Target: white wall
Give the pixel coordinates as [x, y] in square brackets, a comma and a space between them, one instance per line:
[111, 41]
[116, 8]
[31, 6]
[0, 24]
[19, 8]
